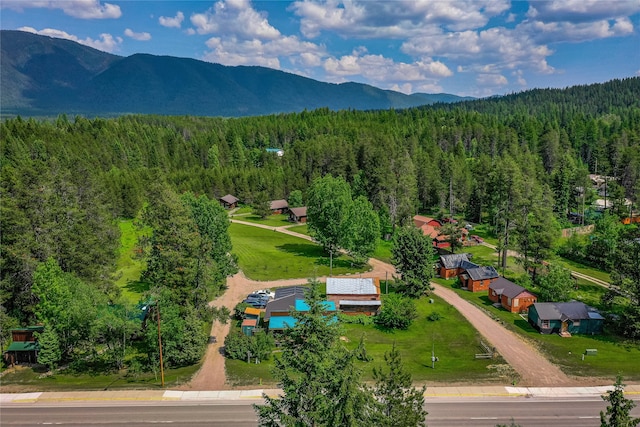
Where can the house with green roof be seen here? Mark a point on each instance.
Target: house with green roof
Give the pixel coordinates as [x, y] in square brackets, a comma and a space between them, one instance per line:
[24, 346]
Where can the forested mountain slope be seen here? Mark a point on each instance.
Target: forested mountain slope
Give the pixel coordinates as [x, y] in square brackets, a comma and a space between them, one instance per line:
[48, 76]
[65, 181]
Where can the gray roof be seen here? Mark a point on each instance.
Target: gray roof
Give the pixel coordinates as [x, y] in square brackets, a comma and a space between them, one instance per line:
[574, 310]
[506, 287]
[283, 304]
[229, 199]
[357, 286]
[482, 273]
[290, 290]
[454, 260]
[279, 204]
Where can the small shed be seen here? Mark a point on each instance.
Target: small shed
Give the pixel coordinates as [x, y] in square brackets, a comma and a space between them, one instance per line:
[229, 201]
[24, 346]
[251, 313]
[565, 318]
[248, 325]
[298, 214]
[279, 206]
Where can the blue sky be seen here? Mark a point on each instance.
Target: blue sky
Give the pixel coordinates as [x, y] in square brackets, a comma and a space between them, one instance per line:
[465, 47]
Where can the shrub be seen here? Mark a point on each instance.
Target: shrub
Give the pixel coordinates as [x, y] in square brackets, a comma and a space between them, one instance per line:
[397, 312]
[434, 316]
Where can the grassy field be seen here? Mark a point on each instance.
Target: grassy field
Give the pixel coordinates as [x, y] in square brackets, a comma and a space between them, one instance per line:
[27, 379]
[614, 355]
[454, 340]
[302, 229]
[267, 255]
[129, 266]
[383, 251]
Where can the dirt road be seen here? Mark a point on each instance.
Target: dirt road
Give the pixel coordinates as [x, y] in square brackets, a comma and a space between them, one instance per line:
[533, 368]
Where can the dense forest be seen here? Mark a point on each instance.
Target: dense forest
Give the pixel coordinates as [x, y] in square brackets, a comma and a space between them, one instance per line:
[514, 162]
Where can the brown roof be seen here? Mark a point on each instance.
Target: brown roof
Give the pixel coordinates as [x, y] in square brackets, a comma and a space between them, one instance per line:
[505, 287]
[279, 204]
[229, 199]
[299, 212]
[250, 322]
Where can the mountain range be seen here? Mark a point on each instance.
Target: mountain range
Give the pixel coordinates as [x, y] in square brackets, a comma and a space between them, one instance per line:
[43, 76]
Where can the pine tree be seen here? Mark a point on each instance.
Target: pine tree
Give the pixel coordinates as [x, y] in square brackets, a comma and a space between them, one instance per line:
[618, 412]
[400, 404]
[49, 343]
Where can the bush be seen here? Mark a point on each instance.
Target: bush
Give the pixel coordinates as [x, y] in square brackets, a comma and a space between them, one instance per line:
[397, 312]
[434, 316]
[237, 346]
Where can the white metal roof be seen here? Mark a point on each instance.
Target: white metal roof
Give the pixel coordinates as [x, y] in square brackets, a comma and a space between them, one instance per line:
[344, 286]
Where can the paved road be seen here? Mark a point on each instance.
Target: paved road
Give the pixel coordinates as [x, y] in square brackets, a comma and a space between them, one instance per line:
[473, 412]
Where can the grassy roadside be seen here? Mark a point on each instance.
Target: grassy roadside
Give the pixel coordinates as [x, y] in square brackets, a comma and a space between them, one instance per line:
[452, 337]
[614, 354]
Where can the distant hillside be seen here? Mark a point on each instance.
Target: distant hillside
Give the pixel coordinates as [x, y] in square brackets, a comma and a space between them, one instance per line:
[47, 76]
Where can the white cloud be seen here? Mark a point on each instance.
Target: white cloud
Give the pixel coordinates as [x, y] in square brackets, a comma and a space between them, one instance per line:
[384, 72]
[557, 32]
[491, 80]
[175, 22]
[234, 18]
[137, 36]
[231, 51]
[106, 43]
[83, 9]
[582, 10]
[396, 19]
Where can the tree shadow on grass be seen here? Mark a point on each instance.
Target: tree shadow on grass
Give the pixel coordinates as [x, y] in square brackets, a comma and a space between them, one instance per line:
[524, 325]
[137, 286]
[308, 250]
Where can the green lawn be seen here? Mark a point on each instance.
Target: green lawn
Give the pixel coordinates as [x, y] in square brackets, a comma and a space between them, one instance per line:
[271, 220]
[383, 251]
[614, 355]
[268, 255]
[581, 268]
[129, 266]
[302, 229]
[455, 342]
[28, 379]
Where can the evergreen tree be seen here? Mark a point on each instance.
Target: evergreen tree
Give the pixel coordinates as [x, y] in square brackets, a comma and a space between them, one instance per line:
[400, 404]
[412, 256]
[261, 205]
[49, 343]
[295, 199]
[320, 384]
[618, 412]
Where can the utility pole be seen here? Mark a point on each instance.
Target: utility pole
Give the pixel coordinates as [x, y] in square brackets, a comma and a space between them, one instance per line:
[160, 345]
[331, 262]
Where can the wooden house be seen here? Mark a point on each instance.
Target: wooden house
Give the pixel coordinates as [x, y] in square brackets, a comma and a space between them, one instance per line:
[512, 297]
[248, 326]
[298, 214]
[229, 201]
[477, 278]
[24, 346]
[453, 265]
[565, 318]
[354, 296]
[279, 206]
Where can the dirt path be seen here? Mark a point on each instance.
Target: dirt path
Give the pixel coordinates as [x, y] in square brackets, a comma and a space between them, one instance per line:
[533, 368]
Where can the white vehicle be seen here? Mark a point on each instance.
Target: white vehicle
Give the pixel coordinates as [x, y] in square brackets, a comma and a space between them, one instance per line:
[267, 292]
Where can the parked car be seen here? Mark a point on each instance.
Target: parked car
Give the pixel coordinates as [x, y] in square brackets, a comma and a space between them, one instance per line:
[256, 303]
[266, 292]
[477, 238]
